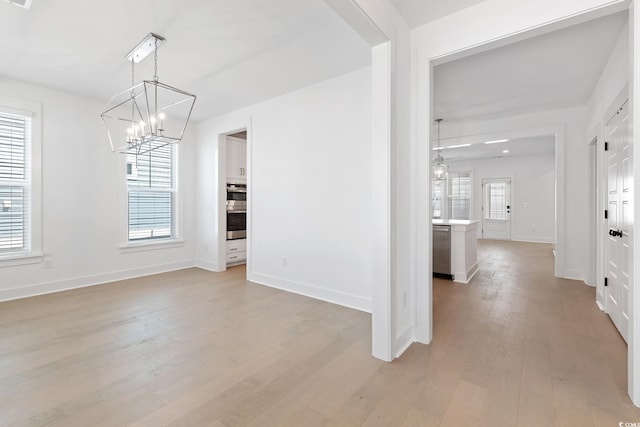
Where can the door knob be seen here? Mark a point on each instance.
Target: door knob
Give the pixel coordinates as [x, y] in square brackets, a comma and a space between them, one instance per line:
[615, 233]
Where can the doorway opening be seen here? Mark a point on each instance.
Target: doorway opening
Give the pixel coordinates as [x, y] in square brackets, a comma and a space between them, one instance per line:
[570, 220]
[234, 200]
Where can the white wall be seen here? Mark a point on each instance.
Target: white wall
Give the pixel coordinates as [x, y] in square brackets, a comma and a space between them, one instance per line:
[612, 81]
[394, 243]
[532, 192]
[309, 169]
[84, 202]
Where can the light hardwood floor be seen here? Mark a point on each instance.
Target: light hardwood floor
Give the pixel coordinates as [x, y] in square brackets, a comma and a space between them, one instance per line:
[193, 348]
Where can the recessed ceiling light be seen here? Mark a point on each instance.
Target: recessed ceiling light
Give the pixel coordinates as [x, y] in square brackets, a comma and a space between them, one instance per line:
[26, 4]
[496, 141]
[505, 151]
[452, 146]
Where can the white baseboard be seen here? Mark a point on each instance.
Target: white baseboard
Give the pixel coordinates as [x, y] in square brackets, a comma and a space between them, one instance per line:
[323, 294]
[82, 282]
[600, 306]
[573, 275]
[207, 265]
[466, 277]
[404, 341]
[533, 239]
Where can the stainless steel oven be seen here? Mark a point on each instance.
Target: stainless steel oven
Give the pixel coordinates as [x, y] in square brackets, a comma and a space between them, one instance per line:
[236, 211]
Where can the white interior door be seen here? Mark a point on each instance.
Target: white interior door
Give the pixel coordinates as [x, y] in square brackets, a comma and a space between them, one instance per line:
[496, 208]
[619, 220]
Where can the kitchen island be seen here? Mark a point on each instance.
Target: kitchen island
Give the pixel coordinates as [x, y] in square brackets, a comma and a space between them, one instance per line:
[464, 248]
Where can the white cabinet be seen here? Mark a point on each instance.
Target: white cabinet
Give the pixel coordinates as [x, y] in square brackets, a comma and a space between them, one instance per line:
[236, 160]
[236, 251]
[464, 252]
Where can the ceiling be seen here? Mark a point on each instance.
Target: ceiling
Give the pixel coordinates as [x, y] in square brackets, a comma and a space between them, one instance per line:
[229, 53]
[419, 12]
[552, 71]
[527, 146]
[555, 70]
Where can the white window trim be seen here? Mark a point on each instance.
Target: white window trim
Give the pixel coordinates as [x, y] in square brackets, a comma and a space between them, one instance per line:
[151, 245]
[176, 241]
[34, 110]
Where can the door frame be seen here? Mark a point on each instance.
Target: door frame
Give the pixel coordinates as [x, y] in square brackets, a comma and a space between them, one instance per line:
[428, 57]
[221, 209]
[594, 214]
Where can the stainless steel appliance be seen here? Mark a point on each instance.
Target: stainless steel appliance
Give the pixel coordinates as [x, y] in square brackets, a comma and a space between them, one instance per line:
[236, 211]
[442, 249]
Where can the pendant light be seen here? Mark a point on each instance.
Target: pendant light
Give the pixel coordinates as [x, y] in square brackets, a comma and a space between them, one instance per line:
[150, 114]
[440, 170]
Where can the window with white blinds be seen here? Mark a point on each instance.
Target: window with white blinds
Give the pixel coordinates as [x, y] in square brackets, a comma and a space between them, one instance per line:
[459, 195]
[151, 188]
[437, 199]
[496, 203]
[15, 184]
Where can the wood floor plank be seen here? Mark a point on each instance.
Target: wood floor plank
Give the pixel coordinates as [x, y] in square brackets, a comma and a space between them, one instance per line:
[466, 405]
[516, 346]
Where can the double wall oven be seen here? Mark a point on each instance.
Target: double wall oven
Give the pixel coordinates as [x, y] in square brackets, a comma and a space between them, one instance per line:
[236, 211]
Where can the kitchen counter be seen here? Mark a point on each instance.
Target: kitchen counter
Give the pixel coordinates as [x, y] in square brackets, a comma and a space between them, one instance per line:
[456, 222]
[464, 248]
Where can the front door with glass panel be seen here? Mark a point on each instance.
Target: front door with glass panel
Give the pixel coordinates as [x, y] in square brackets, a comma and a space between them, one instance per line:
[496, 208]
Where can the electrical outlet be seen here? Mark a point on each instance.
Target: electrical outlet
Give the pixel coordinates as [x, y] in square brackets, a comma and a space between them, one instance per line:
[48, 263]
[404, 299]
[284, 261]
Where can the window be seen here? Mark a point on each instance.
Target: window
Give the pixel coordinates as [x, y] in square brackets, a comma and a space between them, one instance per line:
[15, 184]
[151, 194]
[459, 195]
[437, 197]
[451, 199]
[496, 194]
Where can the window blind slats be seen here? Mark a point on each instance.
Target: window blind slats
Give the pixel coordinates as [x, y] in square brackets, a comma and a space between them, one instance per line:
[14, 133]
[459, 195]
[12, 218]
[497, 201]
[437, 196]
[14, 183]
[150, 180]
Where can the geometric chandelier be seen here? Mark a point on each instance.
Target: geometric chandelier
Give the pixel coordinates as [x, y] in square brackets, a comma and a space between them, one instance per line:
[149, 114]
[440, 169]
